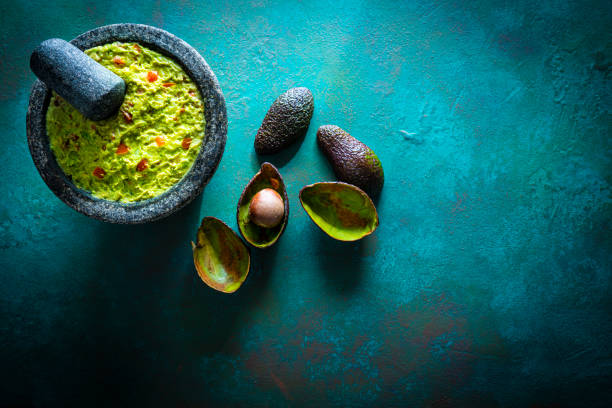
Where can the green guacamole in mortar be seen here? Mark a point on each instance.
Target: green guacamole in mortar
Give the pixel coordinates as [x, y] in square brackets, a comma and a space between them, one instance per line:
[148, 145]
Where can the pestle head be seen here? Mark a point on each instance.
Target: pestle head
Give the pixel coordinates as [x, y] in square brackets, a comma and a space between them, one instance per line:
[92, 89]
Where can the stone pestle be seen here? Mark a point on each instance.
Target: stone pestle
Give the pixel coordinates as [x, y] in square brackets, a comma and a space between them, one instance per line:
[92, 89]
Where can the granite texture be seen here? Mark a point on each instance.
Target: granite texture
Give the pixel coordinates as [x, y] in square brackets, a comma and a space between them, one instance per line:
[92, 89]
[179, 195]
[486, 284]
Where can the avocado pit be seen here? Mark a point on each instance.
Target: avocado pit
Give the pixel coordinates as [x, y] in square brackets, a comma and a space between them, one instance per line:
[267, 208]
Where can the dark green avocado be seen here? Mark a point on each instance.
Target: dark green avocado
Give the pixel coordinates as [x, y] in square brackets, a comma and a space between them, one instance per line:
[353, 162]
[287, 120]
[259, 236]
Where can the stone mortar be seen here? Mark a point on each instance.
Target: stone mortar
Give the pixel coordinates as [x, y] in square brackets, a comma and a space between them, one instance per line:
[179, 195]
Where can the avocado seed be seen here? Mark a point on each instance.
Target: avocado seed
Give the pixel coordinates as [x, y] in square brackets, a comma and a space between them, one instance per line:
[266, 208]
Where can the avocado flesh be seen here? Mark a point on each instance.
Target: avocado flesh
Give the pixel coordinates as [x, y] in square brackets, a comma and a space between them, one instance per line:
[220, 257]
[287, 120]
[352, 161]
[341, 210]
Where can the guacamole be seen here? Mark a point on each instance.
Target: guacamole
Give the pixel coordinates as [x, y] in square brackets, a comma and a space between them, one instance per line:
[148, 145]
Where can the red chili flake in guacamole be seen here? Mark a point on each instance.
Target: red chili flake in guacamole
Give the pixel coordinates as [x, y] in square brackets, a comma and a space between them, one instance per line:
[142, 165]
[122, 149]
[186, 143]
[152, 76]
[126, 115]
[99, 172]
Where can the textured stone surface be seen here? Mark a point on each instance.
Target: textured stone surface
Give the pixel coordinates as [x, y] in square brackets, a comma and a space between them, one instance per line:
[487, 283]
[92, 89]
[192, 183]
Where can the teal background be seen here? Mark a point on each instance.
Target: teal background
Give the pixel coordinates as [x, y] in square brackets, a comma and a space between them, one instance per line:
[487, 283]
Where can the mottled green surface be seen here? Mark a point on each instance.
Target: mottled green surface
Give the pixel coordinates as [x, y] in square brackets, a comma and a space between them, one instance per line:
[487, 283]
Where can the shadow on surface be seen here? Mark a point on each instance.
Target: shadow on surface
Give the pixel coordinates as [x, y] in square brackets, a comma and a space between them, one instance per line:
[147, 321]
[376, 198]
[128, 307]
[110, 329]
[283, 157]
[263, 263]
[210, 319]
[341, 262]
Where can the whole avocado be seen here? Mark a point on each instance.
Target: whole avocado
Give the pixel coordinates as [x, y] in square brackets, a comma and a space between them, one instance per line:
[287, 120]
[353, 162]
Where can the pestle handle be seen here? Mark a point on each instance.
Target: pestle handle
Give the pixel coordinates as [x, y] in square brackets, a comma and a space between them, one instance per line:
[92, 89]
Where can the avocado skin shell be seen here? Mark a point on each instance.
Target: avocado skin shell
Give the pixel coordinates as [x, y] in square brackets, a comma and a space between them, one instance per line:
[287, 120]
[337, 187]
[234, 255]
[352, 161]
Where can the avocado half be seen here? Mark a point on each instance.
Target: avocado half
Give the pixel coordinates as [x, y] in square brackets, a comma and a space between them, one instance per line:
[343, 211]
[261, 237]
[220, 257]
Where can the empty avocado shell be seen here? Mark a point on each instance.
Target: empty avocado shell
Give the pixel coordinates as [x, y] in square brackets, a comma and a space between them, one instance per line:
[220, 257]
[343, 211]
[262, 237]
